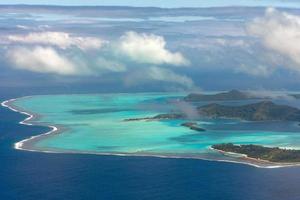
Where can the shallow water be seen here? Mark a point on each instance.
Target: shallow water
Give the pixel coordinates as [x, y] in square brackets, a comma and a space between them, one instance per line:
[94, 123]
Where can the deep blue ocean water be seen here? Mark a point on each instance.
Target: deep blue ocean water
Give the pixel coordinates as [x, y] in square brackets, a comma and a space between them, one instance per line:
[28, 175]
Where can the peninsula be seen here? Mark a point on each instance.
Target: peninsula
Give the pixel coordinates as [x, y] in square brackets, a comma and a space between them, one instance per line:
[158, 117]
[191, 125]
[262, 153]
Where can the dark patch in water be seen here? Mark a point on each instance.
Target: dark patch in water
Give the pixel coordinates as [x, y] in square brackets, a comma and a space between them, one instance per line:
[97, 111]
[79, 124]
[107, 147]
[276, 126]
[186, 138]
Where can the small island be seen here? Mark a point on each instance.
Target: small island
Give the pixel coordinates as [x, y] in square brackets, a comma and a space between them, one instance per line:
[193, 126]
[232, 95]
[270, 154]
[158, 117]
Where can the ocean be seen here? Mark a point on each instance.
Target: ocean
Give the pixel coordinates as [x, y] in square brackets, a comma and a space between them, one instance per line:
[33, 175]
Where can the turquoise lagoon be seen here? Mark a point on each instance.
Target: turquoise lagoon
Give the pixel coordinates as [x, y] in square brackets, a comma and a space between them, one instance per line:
[94, 124]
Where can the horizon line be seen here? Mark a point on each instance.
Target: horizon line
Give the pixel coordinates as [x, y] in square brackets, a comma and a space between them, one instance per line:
[157, 7]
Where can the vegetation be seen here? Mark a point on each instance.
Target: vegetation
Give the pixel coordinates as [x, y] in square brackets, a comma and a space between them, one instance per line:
[260, 152]
[262, 111]
[224, 96]
[159, 117]
[193, 126]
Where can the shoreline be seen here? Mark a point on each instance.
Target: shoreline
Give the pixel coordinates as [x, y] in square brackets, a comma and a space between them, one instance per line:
[30, 116]
[250, 159]
[56, 129]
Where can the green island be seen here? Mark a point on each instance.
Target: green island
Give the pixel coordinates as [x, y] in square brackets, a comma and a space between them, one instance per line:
[158, 117]
[193, 126]
[261, 111]
[272, 154]
[231, 95]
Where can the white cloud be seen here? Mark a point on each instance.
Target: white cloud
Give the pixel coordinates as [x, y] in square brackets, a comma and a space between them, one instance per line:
[22, 27]
[230, 42]
[256, 70]
[58, 39]
[188, 109]
[263, 93]
[149, 48]
[42, 60]
[48, 60]
[109, 65]
[33, 28]
[279, 32]
[159, 74]
[53, 53]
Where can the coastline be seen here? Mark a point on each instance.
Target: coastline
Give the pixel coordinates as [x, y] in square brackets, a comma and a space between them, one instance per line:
[254, 160]
[30, 116]
[21, 145]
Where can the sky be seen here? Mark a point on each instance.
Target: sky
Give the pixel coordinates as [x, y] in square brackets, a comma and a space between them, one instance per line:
[103, 49]
[162, 3]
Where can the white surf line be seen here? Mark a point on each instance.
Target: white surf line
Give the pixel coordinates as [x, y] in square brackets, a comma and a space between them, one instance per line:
[269, 165]
[19, 145]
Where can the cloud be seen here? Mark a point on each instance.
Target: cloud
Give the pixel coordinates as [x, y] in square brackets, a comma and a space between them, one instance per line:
[188, 109]
[23, 27]
[58, 39]
[58, 53]
[160, 75]
[48, 60]
[149, 49]
[55, 53]
[277, 95]
[255, 70]
[42, 60]
[279, 32]
[105, 65]
[229, 42]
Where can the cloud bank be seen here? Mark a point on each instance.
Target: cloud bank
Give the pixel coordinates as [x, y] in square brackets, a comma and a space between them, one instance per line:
[58, 39]
[139, 48]
[42, 60]
[279, 32]
[158, 74]
[63, 54]
[150, 49]
[256, 70]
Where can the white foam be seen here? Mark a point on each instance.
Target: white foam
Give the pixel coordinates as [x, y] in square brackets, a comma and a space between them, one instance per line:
[19, 145]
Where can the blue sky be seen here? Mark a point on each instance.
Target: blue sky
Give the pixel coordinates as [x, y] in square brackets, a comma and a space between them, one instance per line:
[124, 49]
[164, 3]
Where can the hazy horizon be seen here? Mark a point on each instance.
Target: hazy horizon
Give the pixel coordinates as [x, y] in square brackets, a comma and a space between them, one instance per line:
[163, 4]
[120, 49]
